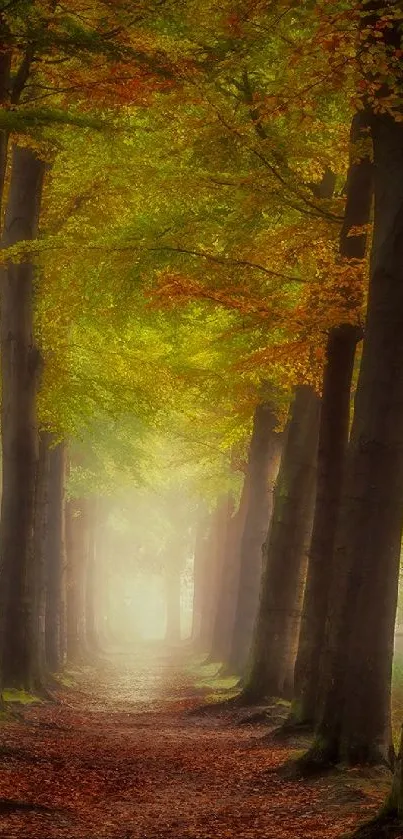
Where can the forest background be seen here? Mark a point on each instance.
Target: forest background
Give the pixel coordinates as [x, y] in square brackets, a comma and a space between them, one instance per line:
[190, 197]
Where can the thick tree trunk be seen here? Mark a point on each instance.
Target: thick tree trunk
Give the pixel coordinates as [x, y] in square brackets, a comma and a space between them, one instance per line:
[77, 559]
[333, 441]
[286, 551]
[5, 67]
[333, 438]
[19, 365]
[55, 558]
[355, 690]
[263, 456]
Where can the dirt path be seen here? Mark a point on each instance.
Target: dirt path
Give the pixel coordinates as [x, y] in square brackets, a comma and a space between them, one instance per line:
[121, 757]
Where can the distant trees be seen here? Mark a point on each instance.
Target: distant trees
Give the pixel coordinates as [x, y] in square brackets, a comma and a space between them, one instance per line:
[166, 330]
[261, 470]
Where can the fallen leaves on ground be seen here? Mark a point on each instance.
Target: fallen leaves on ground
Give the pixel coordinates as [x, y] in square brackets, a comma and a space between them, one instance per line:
[119, 756]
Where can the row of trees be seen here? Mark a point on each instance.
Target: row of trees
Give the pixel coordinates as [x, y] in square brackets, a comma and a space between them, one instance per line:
[188, 199]
[324, 633]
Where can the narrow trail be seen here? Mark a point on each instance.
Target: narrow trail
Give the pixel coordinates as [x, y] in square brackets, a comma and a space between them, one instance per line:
[120, 757]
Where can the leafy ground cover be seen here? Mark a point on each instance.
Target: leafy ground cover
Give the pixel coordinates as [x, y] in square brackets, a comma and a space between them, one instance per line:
[130, 752]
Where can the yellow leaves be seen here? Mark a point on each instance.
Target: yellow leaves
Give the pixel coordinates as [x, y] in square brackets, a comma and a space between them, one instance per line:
[290, 363]
[21, 252]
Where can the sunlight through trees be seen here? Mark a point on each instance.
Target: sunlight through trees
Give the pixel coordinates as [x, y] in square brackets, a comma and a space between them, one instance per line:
[201, 346]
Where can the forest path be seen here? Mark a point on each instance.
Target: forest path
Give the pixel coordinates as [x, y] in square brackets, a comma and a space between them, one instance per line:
[120, 757]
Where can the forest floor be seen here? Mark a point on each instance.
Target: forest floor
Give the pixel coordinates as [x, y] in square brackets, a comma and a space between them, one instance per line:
[128, 751]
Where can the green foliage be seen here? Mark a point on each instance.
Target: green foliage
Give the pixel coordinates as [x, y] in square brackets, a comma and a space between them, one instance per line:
[19, 697]
[184, 252]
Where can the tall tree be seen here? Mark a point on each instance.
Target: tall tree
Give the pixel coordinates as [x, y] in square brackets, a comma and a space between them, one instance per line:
[77, 549]
[262, 466]
[20, 365]
[55, 557]
[354, 706]
[199, 560]
[334, 429]
[227, 596]
[40, 556]
[5, 68]
[285, 554]
[213, 559]
[91, 582]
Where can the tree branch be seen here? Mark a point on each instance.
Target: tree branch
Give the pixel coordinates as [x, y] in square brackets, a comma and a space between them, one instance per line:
[243, 263]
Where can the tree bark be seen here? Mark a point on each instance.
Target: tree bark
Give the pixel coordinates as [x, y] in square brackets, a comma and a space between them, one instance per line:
[20, 368]
[91, 592]
[215, 546]
[262, 463]
[77, 559]
[221, 573]
[40, 537]
[55, 558]
[285, 554]
[199, 560]
[354, 722]
[333, 441]
[5, 68]
[225, 614]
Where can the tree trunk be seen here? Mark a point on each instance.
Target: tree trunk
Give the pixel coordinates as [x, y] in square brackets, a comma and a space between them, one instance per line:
[262, 461]
[55, 558]
[91, 599]
[40, 531]
[354, 722]
[199, 560]
[286, 550]
[20, 367]
[77, 561]
[173, 605]
[225, 614]
[104, 553]
[215, 546]
[333, 440]
[5, 67]
[221, 572]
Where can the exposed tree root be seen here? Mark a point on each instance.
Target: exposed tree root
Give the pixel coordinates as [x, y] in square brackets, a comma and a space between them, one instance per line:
[290, 729]
[216, 707]
[382, 827]
[313, 763]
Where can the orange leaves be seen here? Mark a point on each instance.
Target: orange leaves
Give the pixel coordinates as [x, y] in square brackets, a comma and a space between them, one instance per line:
[290, 363]
[173, 288]
[337, 295]
[119, 755]
[117, 84]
